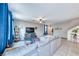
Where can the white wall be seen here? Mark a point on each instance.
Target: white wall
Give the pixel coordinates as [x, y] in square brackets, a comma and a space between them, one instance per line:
[23, 24]
[66, 26]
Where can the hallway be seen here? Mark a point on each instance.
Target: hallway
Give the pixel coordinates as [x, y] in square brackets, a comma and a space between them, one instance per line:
[68, 49]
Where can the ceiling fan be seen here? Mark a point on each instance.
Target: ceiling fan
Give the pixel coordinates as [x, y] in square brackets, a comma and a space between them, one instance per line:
[40, 19]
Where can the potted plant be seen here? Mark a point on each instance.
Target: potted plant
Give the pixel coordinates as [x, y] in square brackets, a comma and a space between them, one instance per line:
[75, 31]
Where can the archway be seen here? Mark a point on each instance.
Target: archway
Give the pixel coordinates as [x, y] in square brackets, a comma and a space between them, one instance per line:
[73, 34]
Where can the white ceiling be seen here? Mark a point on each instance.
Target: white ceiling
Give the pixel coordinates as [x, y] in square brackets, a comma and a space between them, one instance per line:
[54, 12]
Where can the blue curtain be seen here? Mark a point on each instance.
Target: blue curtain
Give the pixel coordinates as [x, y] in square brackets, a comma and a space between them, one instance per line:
[6, 27]
[3, 26]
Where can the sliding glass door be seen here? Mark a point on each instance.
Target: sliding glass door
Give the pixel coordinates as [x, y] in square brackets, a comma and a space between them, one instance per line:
[10, 30]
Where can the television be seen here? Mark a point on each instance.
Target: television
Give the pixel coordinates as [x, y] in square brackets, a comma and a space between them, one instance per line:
[30, 30]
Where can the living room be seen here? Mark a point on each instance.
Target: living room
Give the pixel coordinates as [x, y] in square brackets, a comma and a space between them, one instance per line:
[38, 29]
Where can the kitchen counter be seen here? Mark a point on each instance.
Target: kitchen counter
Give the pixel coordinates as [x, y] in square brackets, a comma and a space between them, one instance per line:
[46, 39]
[23, 49]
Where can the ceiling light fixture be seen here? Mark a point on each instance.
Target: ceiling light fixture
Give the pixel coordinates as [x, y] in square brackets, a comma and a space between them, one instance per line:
[40, 22]
[40, 19]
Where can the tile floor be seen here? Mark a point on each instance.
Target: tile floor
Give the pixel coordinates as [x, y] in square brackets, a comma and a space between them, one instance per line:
[68, 49]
